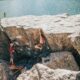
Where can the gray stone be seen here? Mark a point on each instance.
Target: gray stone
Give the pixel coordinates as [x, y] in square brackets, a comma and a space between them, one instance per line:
[5, 72]
[41, 72]
[63, 60]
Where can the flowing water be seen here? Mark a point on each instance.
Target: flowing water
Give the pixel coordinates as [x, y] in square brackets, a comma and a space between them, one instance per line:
[12, 8]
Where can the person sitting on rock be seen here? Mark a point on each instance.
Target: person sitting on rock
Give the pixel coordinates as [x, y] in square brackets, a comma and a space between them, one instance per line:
[12, 51]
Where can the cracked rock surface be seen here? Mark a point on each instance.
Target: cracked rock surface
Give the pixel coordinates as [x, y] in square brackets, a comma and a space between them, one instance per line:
[41, 72]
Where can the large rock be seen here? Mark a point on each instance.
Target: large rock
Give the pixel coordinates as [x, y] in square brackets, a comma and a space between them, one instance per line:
[60, 26]
[16, 33]
[63, 60]
[41, 72]
[5, 72]
[59, 41]
[75, 41]
[4, 47]
[24, 36]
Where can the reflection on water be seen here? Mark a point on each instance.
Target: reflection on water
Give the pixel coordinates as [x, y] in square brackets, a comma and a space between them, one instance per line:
[39, 7]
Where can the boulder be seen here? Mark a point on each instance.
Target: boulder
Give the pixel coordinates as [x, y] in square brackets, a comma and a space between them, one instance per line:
[59, 41]
[63, 60]
[5, 72]
[4, 44]
[15, 33]
[75, 41]
[23, 36]
[41, 72]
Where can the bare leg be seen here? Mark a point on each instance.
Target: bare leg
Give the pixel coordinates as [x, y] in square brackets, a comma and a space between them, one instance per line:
[11, 59]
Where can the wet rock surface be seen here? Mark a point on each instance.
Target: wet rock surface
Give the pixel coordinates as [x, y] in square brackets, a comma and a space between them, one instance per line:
[41, 72]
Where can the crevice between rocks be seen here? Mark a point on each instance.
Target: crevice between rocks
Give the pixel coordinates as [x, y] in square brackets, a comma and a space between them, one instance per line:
[76, 56]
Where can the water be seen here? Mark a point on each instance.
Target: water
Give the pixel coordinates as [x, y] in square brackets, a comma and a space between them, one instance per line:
[38, 7]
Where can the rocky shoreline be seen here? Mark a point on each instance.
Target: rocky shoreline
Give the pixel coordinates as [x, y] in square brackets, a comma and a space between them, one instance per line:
[64, 25]
[63, 36]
